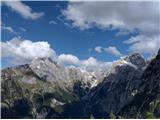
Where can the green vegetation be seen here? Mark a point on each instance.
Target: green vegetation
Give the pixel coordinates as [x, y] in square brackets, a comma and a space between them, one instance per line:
[58, 109]
[112, 116]
[92, 117]
[150, 115]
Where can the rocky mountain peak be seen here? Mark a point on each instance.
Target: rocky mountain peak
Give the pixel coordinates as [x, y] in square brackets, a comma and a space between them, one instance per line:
[47, 69]
[136, 59]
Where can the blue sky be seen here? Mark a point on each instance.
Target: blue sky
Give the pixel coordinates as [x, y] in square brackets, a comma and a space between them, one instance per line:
[76, 29]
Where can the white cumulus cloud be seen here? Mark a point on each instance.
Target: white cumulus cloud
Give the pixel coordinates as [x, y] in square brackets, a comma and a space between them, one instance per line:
[144, 44]
[68, 59]
[123, 15]
[126, 16]
[90, 64]
[98, 49]
[26, 50]
[112, 50]
[24, 10]
[20, 51]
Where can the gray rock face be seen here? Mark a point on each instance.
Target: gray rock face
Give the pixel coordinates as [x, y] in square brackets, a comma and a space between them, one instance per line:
[22, 73]
[47, 69]
[118, 87]
[148, 97]
[136, 59]
[56, 74]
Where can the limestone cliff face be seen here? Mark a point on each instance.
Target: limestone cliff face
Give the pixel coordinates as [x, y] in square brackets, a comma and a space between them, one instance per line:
[45, 84]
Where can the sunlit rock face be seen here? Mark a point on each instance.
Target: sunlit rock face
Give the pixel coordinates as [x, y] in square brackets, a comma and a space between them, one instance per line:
[56, 74]
[44, 83]
[46, 89]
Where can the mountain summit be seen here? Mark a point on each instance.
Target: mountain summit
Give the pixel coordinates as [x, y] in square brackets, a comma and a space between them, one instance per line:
[136, 59]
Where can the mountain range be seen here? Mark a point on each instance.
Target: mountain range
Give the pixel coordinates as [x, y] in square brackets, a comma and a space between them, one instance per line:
[129, 88]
